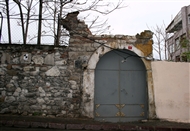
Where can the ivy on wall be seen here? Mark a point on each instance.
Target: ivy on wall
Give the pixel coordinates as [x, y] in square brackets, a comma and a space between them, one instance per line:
[185, 44]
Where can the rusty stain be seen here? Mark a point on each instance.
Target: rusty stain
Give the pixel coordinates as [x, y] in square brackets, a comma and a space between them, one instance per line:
[102, 49]
[145, 48]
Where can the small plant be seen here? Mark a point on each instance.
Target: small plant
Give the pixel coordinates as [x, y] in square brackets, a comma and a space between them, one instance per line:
[37, 113]
[184, 43]
[187, 55]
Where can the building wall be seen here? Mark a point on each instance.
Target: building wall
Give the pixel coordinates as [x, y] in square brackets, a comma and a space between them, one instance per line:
[172, 90]
[184, 31]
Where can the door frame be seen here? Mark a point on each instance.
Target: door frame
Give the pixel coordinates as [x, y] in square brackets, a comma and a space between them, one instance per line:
[89, 82]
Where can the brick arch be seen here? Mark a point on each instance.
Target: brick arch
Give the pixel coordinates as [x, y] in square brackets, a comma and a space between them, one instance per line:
[89, 75]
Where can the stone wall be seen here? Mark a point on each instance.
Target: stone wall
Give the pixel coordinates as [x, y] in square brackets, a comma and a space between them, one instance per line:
[36, 80]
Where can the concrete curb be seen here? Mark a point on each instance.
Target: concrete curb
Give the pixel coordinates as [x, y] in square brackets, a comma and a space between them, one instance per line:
[51, 125]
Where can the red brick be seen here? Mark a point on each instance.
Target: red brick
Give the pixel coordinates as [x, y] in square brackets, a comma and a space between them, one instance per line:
[75, 126]
[57, 125]
[128, 128]
[9, 123]
[21, 124]
[181, 129]
[39, 124]
[163, 129]
[93, 127]
[110, 127]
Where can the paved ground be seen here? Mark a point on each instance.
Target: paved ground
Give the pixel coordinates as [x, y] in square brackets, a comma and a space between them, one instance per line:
[34, 122]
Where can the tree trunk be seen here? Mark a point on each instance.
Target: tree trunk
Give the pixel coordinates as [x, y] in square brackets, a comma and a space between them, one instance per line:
[8, 21]
[27, 21]
[22, 23]
[40, 23]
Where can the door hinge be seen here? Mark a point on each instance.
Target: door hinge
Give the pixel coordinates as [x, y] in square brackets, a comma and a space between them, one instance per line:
[97, 105]
[142, 114]
[120, 114]
[119, 106]
[97, 114]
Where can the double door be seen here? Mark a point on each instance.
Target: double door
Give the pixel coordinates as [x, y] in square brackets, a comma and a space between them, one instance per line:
[120, 88]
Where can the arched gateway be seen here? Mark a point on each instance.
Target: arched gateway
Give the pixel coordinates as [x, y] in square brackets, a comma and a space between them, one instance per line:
[120, 93]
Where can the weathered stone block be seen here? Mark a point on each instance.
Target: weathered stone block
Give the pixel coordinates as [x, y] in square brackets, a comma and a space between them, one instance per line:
[9, 99]
[49, 59]
[16, 67]
[33, 94]
[61, 62]
[16, 94]
[41, 90]
[5, 58]
[2, 72]
[57, 94]
[44, 107]
[21, 98]
[54, 71]
[37, 59]
[48, 107]
[63, 112]
[48, 94]
[26, 108]
[40, 100]
[72, 82]
[5, 110]
[29, 68]
[9, 85]
[44, 68]
[24, 91]
[35, 107]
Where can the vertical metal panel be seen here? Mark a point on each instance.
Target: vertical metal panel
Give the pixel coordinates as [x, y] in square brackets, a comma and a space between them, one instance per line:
[120, 87]
[106, 90]
[133, 89]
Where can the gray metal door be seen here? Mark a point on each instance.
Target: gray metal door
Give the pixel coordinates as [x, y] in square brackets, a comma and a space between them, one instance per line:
[120, 87]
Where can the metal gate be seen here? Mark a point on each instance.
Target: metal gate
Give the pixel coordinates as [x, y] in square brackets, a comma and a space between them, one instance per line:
[120, 87]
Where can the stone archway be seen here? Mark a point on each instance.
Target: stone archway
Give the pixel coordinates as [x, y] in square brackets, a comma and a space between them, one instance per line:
[89, 75]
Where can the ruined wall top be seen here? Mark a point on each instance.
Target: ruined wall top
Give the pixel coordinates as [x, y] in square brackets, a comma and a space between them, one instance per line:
[75, 26]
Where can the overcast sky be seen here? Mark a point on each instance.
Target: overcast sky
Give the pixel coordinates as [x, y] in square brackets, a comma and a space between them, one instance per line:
[142, 13]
